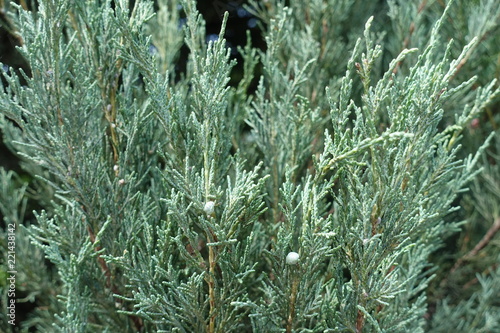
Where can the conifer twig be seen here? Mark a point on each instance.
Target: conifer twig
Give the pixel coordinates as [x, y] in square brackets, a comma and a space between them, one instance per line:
[211, 283]
[360, 321]
[468, 55]
[479, 246]
[107, 273]
[411, 30]
[476, 280]
[293, 298]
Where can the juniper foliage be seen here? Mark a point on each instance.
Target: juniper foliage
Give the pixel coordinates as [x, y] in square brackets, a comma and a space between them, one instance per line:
[167, 200]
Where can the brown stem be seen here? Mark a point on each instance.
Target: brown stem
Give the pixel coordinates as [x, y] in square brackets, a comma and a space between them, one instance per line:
[109, 86]
[360, 322]
[476, 280]
[470, 283]
[23, 4]
[472, 253]
[293, 299]
[479, 246]
[114, 137]
[470, 52]
[467, 57]
[212, 261]
[324, 26]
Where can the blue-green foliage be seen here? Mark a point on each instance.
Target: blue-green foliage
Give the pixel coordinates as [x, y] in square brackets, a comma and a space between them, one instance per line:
[168, 202]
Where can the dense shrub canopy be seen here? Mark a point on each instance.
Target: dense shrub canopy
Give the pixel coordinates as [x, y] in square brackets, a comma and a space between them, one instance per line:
[333, 169]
